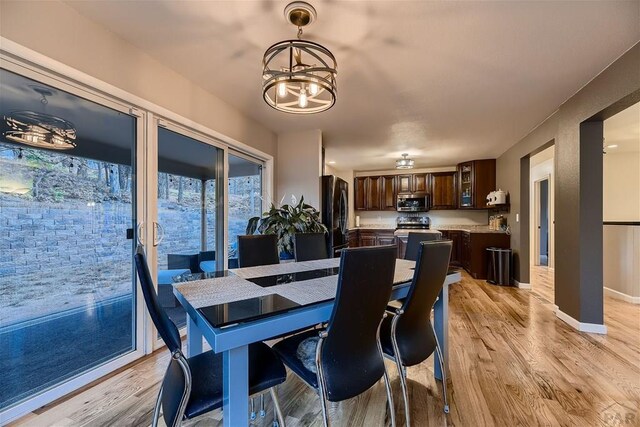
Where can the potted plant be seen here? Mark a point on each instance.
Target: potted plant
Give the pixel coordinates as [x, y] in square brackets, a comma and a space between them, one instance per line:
[285, 222]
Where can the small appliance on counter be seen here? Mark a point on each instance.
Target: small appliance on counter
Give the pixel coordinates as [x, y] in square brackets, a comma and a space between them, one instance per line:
[498, 222]
[497, 197]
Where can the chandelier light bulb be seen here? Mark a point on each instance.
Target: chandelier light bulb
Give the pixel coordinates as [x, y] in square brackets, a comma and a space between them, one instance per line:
[282, 89]
[313, 89]
[302, 101]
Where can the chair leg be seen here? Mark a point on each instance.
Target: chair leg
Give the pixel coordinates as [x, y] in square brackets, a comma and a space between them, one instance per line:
[263, 413]
[444, 373]
[325, 411]
[402, 372]
[276, 406]
[253, 409]
[387, 384]
[156, 409]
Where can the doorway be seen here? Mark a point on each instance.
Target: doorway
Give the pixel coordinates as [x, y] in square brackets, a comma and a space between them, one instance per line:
[542, 190]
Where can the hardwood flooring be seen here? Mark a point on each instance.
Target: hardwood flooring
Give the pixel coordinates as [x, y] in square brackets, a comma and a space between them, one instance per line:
[512, 362]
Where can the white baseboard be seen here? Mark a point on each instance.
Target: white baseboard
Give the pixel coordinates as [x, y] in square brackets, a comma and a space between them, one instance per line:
[522, 285]
[592, 328]
[620, 296]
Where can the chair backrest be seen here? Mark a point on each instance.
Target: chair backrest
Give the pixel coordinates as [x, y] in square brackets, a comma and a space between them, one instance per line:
[310, 246]
[176, 385]
[257, 249]
[207, 256]
[166, 328]
[413, 243]
[351, 361]
[414, 332]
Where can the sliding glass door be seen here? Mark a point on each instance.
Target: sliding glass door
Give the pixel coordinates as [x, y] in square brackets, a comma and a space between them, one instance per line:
[68, 214]
[187, 229]
[245, 197]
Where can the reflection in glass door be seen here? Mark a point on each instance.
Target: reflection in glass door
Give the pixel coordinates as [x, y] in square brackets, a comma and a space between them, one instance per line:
[187, 220]
[245, 198]
[66, 236]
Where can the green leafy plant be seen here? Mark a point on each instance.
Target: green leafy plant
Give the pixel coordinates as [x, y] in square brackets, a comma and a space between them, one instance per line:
[285, 222]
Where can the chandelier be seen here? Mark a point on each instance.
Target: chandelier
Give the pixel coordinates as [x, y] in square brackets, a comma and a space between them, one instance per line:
[40, 129]
[404, 162]
[299, 76]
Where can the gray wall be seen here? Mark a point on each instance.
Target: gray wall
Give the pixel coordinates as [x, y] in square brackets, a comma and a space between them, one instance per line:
[578, 214]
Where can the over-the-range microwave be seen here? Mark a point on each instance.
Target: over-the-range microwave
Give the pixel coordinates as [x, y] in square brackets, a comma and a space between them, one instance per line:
[415, 202]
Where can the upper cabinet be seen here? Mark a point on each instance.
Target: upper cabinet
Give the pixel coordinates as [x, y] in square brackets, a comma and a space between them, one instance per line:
[388, 193]
[421, 183]
[375, 193]
[404, 183]
[361, 187]
[476, 179]
[443, 190]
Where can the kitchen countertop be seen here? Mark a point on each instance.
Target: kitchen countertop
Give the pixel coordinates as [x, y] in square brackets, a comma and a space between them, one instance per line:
[466, 228]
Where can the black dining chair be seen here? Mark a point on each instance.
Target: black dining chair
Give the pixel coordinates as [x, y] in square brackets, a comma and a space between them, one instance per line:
[408, 337]
[310, 246]
[258, 249]
[345, 359]
[193, 386]
[413, 243]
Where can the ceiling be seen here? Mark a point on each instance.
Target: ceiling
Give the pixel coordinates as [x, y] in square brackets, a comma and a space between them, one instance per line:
[623, 130]
[442, 81]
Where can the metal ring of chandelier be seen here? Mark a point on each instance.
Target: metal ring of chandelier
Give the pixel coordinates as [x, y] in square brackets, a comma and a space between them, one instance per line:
[40, 130]
[299, 88]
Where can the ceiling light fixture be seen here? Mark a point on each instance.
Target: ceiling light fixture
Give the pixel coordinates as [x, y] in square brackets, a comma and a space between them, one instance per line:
[40, 129]
[404, 162]
[612, 146]
[288, 83]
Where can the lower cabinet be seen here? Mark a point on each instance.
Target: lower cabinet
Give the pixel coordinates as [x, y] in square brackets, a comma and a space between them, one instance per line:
[456, 250]
[475, 258]
[352, 239]
[371, 237]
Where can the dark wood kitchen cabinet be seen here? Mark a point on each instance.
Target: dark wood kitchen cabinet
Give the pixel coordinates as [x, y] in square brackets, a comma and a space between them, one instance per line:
[420, 183]
[474, 251]
[388, 193]
[405, 183]
[414, 183]
[352, 238]
[373, 194]
[374, 237]
[476, 179]
[456, 245]
[443, 190]
[361, 187]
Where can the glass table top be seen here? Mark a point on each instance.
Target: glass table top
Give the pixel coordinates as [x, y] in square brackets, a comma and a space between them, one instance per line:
[229, 314]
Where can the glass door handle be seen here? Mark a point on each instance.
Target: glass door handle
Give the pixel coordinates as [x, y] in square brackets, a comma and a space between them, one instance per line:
[140, 233]
[158, 233]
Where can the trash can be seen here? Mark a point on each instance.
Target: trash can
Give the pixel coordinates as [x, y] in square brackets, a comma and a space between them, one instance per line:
[499, 269]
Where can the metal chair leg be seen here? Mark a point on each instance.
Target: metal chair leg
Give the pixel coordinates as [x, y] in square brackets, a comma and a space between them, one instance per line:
[387, 384]
[444, 373]
[276, 406]
[263, 413]
[402, 371]
[156, 409]
[253, 409]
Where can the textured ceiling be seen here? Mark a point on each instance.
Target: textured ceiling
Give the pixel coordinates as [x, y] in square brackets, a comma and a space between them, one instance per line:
[443, 81]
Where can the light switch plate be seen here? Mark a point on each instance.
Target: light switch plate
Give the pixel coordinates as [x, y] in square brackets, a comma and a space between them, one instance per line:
[517, 217]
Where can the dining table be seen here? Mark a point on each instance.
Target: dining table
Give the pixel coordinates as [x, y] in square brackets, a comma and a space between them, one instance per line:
[232, 309]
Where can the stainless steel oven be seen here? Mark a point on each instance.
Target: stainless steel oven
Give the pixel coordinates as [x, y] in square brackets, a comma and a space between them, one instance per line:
[415, 202]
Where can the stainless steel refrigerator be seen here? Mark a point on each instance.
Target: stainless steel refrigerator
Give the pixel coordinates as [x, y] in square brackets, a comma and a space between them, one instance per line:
[335, 212]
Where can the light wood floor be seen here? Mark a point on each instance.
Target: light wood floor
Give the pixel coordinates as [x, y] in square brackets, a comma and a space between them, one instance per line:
[512, 362]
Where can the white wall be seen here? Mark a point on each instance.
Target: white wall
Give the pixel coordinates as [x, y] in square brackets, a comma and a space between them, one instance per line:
[542, 166]
[299, 166]
[59, 32]
[621, 268]
[621, 186]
